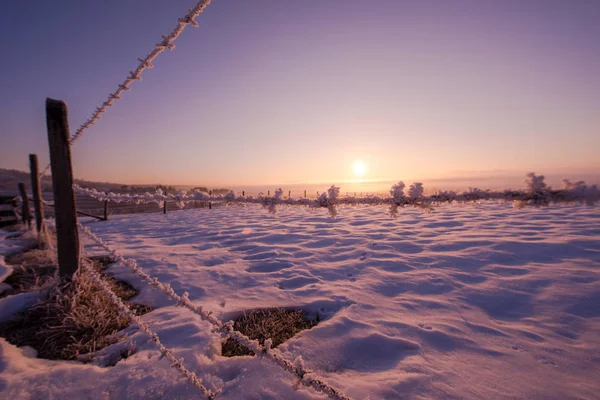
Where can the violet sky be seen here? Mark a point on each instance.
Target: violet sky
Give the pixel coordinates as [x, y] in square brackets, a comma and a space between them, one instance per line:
[297, 91]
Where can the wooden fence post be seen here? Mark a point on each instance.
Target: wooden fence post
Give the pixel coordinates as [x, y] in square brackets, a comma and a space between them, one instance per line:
[67, 235]
[209, 203]
[106, 210]
[26, 214]
[164, 207]
[289, 193]
[304, 193]
[36, 188]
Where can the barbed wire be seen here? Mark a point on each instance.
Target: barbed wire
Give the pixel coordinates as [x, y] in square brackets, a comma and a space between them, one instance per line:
[302, 375]
[165, 352]
[145, 63]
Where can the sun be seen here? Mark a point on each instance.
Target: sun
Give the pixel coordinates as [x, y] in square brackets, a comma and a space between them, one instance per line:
[359, 168]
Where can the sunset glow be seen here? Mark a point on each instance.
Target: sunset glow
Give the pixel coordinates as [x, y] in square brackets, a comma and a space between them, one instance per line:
[359, 169]
[301, 90]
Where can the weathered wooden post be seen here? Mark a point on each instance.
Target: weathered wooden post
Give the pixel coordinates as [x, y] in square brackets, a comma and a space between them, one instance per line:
[67, 236]
[36, 188]
[209, 203]
[243, 193]
[289, 194]
[268, 192]
[304, 193]
[164, 207]
[106, 210]
[25, 213]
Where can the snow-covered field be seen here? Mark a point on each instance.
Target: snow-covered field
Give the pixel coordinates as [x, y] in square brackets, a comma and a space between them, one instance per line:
[475, 301]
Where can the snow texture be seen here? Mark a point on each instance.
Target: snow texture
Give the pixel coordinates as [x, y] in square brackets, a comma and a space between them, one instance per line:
[478, 301]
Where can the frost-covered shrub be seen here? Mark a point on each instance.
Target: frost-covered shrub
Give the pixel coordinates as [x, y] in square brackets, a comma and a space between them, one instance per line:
[333, 192]
[579, 191]
[535, 183]
[397, 191]
[536, 189]
[415, 190]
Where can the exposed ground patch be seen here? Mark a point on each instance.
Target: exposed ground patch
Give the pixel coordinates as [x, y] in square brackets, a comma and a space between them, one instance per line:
[276, 324]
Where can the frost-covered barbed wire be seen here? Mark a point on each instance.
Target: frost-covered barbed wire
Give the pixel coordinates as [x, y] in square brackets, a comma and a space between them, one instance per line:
[144, 63]
[302, 375]
[165, 352]
[535, 193]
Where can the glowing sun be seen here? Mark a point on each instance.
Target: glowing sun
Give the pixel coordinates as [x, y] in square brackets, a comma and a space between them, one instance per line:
[359, 168]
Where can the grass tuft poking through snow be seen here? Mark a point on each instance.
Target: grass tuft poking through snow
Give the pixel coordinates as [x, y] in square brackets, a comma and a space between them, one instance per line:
[276, 324]
[75, 318]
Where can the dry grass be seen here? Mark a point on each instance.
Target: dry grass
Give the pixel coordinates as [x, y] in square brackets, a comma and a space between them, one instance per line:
[277, 324]
[76, 317]
[32, 270]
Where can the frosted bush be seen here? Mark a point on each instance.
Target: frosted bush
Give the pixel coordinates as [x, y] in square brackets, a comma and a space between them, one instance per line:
[535, 183]
[580, 191]
[230, 196]
[416, 190]
[333, 192]
[397, 191]
[536, 188]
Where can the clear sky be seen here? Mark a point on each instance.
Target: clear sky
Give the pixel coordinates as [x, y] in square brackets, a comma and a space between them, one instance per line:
[298, 91]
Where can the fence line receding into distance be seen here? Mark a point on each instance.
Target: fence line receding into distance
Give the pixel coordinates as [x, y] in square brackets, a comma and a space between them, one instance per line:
[535, 193]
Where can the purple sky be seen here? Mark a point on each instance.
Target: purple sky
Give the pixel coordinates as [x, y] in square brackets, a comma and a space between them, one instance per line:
[297, 91]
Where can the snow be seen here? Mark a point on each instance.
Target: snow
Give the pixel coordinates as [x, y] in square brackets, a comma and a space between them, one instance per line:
[11, 305]
[470, 301]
